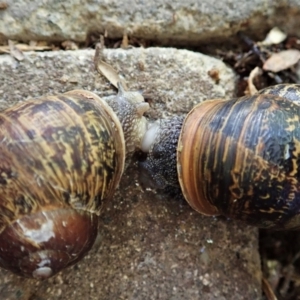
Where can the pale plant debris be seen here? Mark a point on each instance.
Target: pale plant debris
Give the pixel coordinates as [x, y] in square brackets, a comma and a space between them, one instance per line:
[280, 256]
[15, 48]
[3, 5]
[214, 73]
[256, 72]
[275, 36]
[277, 55]
[268, 290]
[12, 48]
[125, 40]
[282, 60]
[15, 51]
[272, 272]
[106, 69]
[128, 42]
[70, 45]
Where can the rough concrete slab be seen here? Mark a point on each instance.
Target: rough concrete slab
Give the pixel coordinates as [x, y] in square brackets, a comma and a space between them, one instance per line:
[167, 22]
[149, 246]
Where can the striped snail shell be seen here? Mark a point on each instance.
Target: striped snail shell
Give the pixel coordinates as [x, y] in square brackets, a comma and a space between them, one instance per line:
[61, 159]
[239, 158]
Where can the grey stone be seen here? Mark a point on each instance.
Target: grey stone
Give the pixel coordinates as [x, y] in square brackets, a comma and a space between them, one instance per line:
[149, 246]
[167, 22]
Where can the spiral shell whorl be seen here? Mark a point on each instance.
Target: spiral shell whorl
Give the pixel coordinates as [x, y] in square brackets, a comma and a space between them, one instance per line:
[287, 91]
[58, 153]
[239, 158]
[41, 244]
[130, 107]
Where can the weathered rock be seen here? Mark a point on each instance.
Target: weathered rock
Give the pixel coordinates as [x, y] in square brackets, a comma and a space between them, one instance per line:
[149, 246]
[166, 22]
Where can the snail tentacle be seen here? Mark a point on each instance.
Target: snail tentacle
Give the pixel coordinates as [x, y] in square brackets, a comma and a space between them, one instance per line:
[130, 107]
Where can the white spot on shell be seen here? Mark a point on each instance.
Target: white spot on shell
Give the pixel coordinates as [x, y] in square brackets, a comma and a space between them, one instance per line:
[287, 152]
[43, 272]
[44, 259]
[43, 234]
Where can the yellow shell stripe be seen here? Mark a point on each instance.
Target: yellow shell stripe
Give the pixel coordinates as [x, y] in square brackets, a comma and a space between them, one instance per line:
[240, 158]
[61, 151]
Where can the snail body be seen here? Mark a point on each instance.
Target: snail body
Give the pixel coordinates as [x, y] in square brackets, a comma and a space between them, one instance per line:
[238, 158]
[61, 159]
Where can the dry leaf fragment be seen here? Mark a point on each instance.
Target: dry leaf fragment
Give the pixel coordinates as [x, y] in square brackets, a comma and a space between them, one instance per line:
[282, 60]
[214, 73]
[14, 51]
[254, 73]
[25, 47]
[37, 47]
[4, 49]
[107, 70]
[3, 5]
[268, 290]
[69, 45]
[125, 42]
[42, 44]
[275, 36]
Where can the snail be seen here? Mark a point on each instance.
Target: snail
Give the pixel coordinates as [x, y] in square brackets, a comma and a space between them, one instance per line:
[61, 158]
[239, 158]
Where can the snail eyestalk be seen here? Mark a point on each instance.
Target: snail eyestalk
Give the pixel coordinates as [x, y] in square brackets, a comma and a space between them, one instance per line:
[130, 107]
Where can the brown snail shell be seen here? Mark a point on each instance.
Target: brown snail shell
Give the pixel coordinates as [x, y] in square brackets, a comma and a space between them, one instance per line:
[61, 158]
[239, 158]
